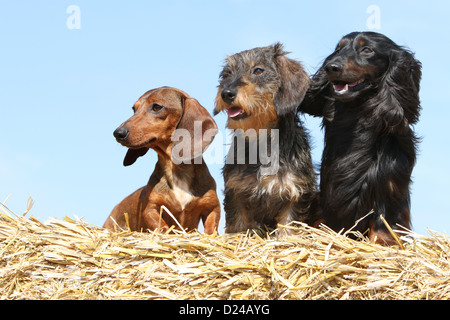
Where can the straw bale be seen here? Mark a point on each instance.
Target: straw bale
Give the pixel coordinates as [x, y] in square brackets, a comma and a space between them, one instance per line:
[71, 259]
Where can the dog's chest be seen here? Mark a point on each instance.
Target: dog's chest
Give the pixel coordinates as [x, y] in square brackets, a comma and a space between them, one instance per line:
[284, 185]
[182, 193]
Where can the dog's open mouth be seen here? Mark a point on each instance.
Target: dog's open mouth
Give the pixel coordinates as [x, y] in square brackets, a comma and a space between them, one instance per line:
[236, 113]
[341, 87]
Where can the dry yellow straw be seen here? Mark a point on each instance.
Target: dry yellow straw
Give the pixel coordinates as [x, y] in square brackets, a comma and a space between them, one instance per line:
[127, 220]
[393, 234]
[71, 259]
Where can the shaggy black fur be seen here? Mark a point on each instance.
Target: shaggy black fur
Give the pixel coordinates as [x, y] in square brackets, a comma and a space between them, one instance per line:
[368, 94]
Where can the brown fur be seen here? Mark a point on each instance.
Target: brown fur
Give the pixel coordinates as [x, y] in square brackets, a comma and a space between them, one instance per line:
[257, 104]
[187, 190]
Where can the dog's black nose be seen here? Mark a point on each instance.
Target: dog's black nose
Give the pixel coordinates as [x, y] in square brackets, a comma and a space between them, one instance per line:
[121, 133]
[228, 95]
[333, 68]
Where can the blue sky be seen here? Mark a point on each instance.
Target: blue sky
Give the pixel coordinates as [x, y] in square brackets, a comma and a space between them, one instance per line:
[63, 91]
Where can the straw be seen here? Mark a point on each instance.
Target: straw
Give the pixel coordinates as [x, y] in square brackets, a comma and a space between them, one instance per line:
[71, 259]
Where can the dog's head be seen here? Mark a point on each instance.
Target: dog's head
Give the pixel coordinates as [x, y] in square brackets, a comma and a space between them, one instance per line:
[363, 61]
[160, 115]
[259, 85]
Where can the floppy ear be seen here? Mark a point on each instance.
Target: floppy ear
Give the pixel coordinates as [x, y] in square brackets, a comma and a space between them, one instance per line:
[317, 97]
[399, 91]
[196, 128]
[293, 82]
[132, 155]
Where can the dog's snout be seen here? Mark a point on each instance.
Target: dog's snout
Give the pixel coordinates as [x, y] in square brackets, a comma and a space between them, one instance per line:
[121, 133]
[228, 95]
[333, 68]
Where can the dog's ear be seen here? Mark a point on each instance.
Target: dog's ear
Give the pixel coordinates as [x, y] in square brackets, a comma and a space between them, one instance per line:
[132, 155]
[196, 129]
[317, 98]
[399, 91]
[293, 82]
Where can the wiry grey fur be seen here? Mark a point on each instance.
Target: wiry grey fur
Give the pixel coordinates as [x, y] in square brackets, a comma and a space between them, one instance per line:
[254, 200]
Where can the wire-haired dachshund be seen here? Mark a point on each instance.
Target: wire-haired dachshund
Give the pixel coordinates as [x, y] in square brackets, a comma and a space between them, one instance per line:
[186, 189]
[367, 91]
[259, 90]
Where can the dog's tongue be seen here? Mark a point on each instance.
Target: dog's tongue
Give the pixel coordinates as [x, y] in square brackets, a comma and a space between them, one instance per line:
[234, 112]
[339, 86]
[342, 87]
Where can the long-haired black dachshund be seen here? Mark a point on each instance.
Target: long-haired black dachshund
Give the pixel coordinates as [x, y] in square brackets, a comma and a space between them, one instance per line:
[368, 94]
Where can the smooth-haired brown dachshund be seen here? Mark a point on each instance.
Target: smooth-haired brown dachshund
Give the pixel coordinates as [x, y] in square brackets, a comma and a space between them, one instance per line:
[184, 187]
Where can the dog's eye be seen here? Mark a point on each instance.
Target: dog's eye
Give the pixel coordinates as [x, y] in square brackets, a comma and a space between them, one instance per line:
[366, 50]
[225, 73]
[258, 71]
[156, 107]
